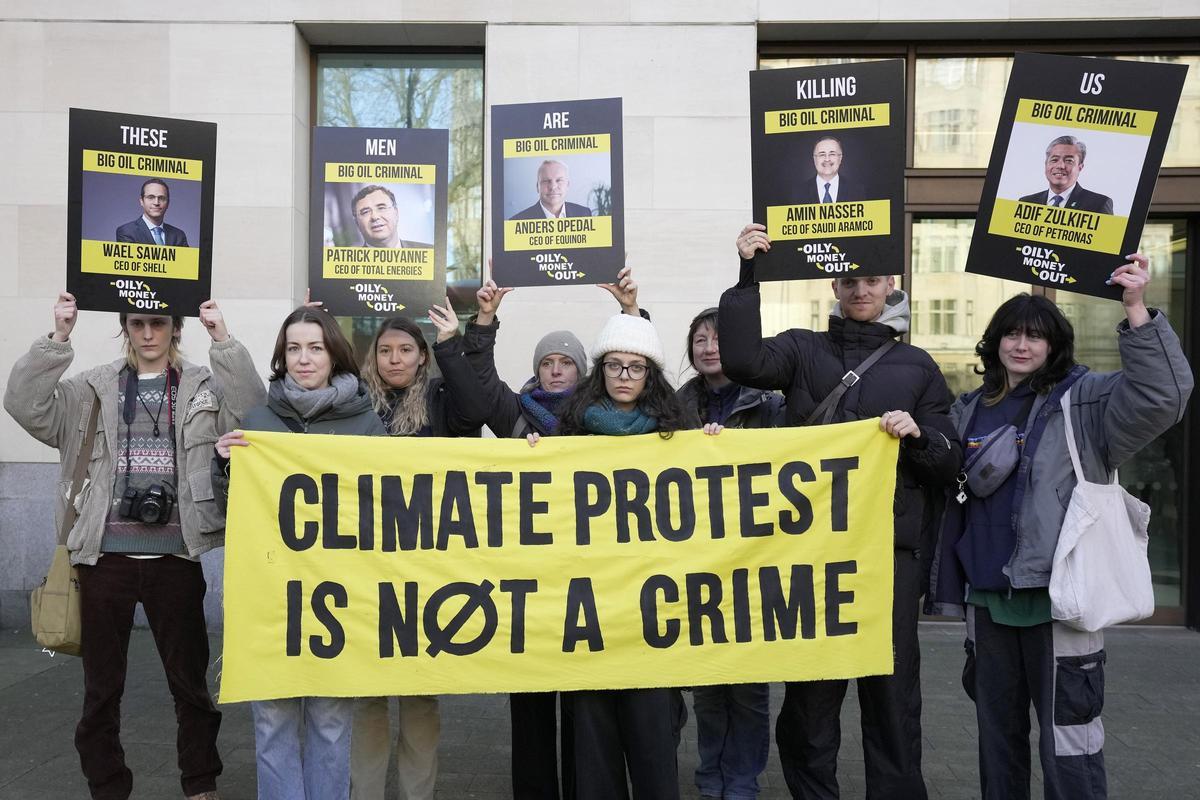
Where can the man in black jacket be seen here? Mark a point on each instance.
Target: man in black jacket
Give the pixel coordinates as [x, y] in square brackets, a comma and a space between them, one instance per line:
[906, 390]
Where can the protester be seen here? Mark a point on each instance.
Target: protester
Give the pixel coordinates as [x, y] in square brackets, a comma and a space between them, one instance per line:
[997, 542]
[620, 730]
[302, 744]
[411, 402]
[559, 362]
[733, 722]
[157, 409]
[907, 392]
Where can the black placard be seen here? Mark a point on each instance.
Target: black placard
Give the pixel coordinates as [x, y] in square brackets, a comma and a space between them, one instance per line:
[140, 212]
[827, 158]
[378, 220]
[1068, 123]
[557, 158]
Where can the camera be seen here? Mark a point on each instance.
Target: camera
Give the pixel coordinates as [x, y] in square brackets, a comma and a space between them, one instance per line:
[151, 506]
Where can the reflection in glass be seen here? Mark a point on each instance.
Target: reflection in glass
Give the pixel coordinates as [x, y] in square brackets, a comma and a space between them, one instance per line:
[950, 307]
[1183, 146]
[957, 109]
[1153, 474]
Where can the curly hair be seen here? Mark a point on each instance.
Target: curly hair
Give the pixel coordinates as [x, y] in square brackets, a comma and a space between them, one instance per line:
[411, 414]
[657, 400]
[1031, 314]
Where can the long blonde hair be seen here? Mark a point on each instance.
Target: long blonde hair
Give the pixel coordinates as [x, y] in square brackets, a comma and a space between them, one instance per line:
[174, 354]
[411, 413]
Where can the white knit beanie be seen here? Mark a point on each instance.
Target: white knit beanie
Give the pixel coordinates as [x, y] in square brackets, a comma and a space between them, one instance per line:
[625, 333]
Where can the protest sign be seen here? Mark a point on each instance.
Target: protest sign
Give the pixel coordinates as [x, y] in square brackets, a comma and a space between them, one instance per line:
[378, 220]
[1070, 122]
[827, 160]
[140, 212]
[558, 193]
[354, 567]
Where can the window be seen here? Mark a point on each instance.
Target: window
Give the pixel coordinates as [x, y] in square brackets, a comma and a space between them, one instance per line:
[398, 90]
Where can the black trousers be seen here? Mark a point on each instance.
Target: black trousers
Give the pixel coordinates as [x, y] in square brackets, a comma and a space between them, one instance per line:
[535, 747]
[171, 590]
[619, 729]
[808, 731]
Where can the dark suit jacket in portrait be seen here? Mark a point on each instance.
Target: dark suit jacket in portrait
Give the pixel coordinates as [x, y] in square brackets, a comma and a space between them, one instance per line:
[848, 190]
[535, 212]
[1080, 198]
[137, 231]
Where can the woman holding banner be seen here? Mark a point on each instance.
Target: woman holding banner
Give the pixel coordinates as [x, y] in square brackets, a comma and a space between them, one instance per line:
[620, 730]
[302, 744]
[559, 363]
[733, 723]
[412, 402]
[1000, 531]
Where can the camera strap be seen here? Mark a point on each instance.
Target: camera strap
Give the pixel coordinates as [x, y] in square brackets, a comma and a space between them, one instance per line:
[129, 413]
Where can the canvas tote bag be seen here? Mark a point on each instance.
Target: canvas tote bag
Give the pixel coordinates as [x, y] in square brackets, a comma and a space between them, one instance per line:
[54, 605]
[1101, 573]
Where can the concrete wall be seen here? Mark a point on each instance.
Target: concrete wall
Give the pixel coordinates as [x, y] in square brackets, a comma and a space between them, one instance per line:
[680, 66]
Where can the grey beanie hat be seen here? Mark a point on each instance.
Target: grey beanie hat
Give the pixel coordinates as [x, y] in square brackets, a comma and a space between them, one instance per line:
[564, 343]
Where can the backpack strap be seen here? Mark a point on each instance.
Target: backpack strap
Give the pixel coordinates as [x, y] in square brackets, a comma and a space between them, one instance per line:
[823, 414]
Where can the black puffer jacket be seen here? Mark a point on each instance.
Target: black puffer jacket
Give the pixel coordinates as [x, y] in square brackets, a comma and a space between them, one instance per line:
[455, 402]
[807, 365]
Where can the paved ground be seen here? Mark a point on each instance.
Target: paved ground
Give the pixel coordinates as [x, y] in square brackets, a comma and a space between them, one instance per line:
[1152, 713]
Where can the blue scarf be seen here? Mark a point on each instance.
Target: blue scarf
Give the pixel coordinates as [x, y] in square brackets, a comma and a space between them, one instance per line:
[605, 418]
[544, 406]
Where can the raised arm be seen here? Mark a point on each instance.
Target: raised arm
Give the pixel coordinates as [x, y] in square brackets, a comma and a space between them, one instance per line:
[746, 357]
[466, 405]
[237, 382]
[36, 397]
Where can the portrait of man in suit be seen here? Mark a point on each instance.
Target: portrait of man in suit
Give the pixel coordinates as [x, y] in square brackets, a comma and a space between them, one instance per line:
[151, 228]
[828, 185]
[378, 219]
[1064, 161]
[553, 181]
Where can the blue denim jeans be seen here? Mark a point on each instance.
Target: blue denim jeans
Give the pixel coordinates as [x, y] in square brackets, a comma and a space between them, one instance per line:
[302, 746]
[733, 735]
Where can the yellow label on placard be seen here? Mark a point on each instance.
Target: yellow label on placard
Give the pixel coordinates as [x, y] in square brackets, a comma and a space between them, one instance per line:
[391, 263]
[336, 172]
[557, 234]
[550, 146]
[1086, 230]
[790, 120]
[830, 220]
[139, 260]
[1133, 121]
[182, 169]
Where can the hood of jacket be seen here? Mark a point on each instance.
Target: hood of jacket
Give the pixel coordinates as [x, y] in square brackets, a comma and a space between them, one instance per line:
[895, 315]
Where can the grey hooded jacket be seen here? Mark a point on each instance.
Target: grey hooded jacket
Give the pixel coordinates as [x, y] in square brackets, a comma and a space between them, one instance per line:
[55, 411]
[1115, 414]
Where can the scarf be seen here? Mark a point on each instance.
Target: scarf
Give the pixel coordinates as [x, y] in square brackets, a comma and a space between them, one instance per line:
[311, 403]
[607, 419]
[544, 406]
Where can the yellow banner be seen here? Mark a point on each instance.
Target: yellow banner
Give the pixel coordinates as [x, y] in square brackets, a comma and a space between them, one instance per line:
[557, 234]
[183, 169]
[379, 173]
[393, 263]
[550, 146]
[1133, 121]
[378, 566]
[1086, 230]
[872, 115]
[143, 260]
[830, 220]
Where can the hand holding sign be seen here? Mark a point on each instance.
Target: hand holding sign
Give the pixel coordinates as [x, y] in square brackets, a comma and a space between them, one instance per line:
[445, 320]
[65, 315]
[213, 321]
[624, 291]
[1134, 277]
[752, 239]
[489, 297]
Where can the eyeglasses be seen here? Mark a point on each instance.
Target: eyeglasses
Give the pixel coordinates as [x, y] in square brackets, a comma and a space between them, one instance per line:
[613, 369]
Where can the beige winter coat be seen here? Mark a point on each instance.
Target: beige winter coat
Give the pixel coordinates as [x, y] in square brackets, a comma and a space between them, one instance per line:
[55, 411]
